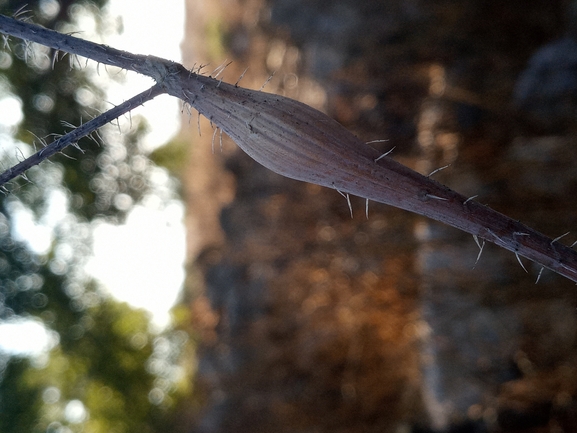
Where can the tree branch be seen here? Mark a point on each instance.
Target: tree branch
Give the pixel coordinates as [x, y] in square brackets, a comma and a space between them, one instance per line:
[81, 131]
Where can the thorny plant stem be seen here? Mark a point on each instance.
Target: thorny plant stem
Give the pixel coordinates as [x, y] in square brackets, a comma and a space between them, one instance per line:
[146, 65]
[80, 47]
[299, 142]
[81, 131]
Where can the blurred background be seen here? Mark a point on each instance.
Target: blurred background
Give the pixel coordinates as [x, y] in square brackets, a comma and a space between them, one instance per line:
[293, 316]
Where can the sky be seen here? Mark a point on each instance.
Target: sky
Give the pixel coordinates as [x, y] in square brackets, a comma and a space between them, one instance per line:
[140, 262]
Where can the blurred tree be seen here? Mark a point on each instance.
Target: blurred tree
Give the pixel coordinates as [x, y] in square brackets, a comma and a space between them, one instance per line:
[104, 374]
[111, 177]
[101, 378]
[51, 88]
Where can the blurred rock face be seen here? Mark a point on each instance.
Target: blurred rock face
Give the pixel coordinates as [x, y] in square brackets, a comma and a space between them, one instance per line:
[547, 88]
[313, 321]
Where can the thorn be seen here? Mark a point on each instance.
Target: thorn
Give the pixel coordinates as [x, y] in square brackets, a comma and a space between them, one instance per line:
[376, 141]
[220, 69]
[21, 11]
[188, 96]
[515, 234]
[41, 140]
[266, 82]
[520, 262]
[212, 143]
[220, 139]
[385, 154]
[496, 237]
[479, 255]
[198, 124]
[438, 170]
[77, 146]
[470, 198]
[350, 206]
[539, 275]
[200, 68]
[67, 124]
[520, 234]
[26, 50]
[436, 197]
[118, 125]
[19, 155]
[559, 237]
[347, 197]
[6, 43]
[99, 136]
[90, 137]
[367, 208]
[67, 156]
[54, 58]
[476, 238]
[71, 62]
[240, 78]
[481, 246]
[189, 114]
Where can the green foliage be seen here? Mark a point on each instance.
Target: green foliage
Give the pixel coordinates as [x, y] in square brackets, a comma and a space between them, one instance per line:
[173, 156]
[215, 39]
[104, 370]
[18, 400]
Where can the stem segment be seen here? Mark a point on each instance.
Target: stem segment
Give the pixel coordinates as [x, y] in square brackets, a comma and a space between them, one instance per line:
[79, 132]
